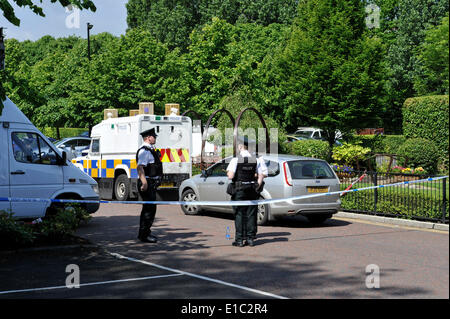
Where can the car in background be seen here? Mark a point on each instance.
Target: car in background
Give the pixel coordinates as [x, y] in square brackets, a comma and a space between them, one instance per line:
[74, 146]
[289, 176]
[293, 138]
[51, 139]
[305, 133]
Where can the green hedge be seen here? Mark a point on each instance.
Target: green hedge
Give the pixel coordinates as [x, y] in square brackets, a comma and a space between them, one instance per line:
[63, 131]
[401, 204]
[391, 144]
[419, 152]
[427, 117]
[374, 142]
[311, 148]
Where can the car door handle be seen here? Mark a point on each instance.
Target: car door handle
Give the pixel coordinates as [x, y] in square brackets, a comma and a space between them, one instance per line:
[18, 173]
[221, 183]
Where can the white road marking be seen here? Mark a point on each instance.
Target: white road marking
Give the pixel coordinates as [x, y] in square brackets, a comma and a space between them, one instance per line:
[88, 284]
[180, 272]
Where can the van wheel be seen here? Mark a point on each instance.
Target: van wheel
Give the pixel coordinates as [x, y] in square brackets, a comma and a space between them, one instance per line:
[189, 196]
[53, 209]
[122, 187]
[262, 214]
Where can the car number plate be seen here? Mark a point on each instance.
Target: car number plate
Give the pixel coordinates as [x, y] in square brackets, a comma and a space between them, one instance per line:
[317, 189]
[167, 184]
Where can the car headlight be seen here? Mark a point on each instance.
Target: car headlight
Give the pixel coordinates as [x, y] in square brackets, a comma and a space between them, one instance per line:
[95, 189]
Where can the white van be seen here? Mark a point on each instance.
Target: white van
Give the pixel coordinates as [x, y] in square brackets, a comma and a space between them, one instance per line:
[32, 167]
[111, 159]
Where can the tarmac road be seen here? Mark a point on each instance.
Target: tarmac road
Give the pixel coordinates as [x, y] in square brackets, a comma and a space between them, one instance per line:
[194, 259]
[292, 258]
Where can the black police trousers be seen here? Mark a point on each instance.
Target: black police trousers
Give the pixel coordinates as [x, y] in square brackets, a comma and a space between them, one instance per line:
[148, 211]
[245, 216]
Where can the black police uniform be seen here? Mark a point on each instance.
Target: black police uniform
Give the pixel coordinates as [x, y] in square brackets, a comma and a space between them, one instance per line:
[153, 173]
[245, 216]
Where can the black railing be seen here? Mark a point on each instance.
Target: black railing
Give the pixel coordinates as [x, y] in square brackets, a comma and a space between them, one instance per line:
[426, 201]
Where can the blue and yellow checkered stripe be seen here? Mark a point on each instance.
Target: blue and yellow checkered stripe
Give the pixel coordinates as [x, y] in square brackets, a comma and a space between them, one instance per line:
[107, 167]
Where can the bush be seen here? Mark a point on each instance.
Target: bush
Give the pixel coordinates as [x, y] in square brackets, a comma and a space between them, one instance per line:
[52, 230]
[349, 154]
[374, 142]
[419, 152]
[14, 234]
[427, 117]
[391, 143]
[311, 148]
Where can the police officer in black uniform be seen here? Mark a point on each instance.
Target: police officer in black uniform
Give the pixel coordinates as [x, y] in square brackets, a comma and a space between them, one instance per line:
[150, 173]
[247, 174]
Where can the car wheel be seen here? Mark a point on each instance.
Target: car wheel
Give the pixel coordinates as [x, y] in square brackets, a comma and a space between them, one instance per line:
[318, 218]
[262, 214]
[189, 196]
[122, 187]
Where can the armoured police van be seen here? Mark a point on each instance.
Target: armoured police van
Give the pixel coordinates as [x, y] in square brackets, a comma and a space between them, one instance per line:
[111, 159]
[32, 167]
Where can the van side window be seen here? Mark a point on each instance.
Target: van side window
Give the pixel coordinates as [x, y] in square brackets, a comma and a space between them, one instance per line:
[95, 146]
[31, 148]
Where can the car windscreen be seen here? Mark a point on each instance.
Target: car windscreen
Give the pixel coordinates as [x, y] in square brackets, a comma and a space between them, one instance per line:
[304, 134]
[310, 169]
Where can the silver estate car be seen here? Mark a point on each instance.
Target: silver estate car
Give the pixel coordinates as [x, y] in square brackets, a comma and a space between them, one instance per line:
[289, 176]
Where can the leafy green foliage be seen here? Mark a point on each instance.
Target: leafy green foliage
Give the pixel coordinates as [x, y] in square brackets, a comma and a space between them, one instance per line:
[391, 143]
[428, 117]
[419, 152]
[172, 22]
[399, 203]
[311, 148]
[350, 154]
[433, 58]
[413, 17]
[12, 233]
[330, 79]
[53, 229]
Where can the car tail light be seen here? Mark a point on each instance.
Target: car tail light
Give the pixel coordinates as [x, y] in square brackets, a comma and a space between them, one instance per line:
[287, 174]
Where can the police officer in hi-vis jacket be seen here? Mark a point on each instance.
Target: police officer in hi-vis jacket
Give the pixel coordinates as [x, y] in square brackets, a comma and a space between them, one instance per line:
[150, 173]
[247, 174]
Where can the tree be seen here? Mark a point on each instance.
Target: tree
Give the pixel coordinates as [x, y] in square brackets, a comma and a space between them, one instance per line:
[433, 58]
[330, 73]
[172, 22]
[8, 13]
[414, 18]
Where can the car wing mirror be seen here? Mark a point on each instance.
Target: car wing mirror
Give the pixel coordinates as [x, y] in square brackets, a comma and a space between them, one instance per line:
[204, 173]
[84, 152]
[63, 158]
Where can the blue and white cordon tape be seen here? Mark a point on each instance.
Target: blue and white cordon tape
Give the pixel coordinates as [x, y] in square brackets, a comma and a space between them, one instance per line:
[289, 200]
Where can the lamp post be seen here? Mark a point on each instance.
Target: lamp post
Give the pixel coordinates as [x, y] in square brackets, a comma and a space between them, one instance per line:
[2, 51]
[89, 27]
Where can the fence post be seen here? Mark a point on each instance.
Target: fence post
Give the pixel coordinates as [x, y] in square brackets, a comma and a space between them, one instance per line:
[375, 182]
[444, 199]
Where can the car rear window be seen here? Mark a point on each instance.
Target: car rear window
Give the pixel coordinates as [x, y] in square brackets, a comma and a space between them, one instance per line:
[310, 169]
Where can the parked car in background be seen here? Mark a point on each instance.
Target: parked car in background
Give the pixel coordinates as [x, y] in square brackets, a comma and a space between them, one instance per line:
[293, 138]
[289, 176]
[304, 133]
[74, 146]
[51, 139]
